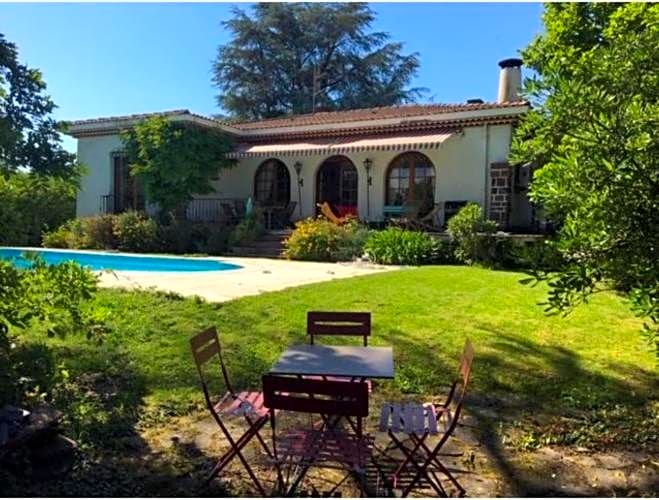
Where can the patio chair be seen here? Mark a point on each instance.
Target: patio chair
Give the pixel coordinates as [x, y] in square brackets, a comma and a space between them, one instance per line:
[248, 405]
[319, 446]
[329, 214]
[282, 217]
[230, 213]
[420, 421]
[428, 222]
[331, 323]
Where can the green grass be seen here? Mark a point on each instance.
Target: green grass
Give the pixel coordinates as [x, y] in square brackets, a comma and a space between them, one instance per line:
[594, 354]
[531, 367]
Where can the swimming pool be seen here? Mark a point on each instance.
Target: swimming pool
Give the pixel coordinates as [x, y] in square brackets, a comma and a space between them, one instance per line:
[99, 261]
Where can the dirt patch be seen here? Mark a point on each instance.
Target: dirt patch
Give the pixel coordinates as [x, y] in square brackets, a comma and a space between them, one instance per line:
[482, 469]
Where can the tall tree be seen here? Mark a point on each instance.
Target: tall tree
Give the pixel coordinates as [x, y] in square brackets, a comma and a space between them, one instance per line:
[593, 131]
[290, 58]
[29, 135]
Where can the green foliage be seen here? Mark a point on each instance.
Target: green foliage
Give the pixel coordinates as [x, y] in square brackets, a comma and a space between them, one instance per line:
[301, 53]
[540, 255]
[174, 160]
[322, 240]
[31, 204]
[54, 295]
[68, 235]
[135, 232]
[247, 230]
[400, 246]
[468, 230]
[218, 241]
[99, 231]
[29, 135]
[120, 398]
[593, 132]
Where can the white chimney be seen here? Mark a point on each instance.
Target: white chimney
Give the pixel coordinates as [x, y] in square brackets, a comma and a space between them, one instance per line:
[510, 80]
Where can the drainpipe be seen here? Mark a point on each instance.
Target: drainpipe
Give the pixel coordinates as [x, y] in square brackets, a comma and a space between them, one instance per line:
[488, 187]
[298, 170]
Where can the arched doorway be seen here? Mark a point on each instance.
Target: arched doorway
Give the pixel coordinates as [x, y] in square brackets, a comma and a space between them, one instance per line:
[272, 184]
[336, 184]
[411, 182]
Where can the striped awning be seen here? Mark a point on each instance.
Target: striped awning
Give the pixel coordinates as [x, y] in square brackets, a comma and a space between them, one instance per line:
[342, 145]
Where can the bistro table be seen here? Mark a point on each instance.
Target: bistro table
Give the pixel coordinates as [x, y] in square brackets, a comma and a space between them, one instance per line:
[356, 362]
[336, 361]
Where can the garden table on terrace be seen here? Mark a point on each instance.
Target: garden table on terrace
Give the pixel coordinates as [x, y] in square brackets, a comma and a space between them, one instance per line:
[357, 362]
[336, 361]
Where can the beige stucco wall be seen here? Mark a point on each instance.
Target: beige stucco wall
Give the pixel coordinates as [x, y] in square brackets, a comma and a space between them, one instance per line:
[96, 154]
[460, 168]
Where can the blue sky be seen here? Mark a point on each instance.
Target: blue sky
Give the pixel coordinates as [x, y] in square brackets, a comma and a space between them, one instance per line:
[114, 59]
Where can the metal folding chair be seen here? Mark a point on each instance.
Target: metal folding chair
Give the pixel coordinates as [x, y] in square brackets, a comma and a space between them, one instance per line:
[326, 445]
[419, 422]
[339, 323]
[249, 405]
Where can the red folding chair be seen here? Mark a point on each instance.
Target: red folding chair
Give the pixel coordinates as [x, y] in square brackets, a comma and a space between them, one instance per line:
[332, 323]
[321, 323]
[249, 405]
[419, 422]
[324, 446]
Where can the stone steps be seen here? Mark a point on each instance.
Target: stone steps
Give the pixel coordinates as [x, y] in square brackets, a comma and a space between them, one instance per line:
[269, 245]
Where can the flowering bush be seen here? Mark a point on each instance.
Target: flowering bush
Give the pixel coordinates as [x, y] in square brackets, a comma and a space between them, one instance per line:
[322, 240]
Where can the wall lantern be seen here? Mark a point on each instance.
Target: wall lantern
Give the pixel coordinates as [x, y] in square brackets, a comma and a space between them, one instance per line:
[368, 163]
[298, 169]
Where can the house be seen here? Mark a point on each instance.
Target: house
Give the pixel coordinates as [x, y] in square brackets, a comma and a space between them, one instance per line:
[368, 162]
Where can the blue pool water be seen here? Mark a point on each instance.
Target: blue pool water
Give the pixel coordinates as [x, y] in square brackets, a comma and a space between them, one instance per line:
[119, 262]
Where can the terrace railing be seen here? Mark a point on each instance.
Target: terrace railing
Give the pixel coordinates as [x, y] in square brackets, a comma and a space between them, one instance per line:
[107, 205]
[228, 211]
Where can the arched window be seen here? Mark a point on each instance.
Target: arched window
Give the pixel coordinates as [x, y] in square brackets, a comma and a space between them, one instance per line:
[411, 181]
[272, 184]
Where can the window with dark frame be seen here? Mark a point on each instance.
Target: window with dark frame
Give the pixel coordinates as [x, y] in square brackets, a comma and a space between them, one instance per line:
[127, 191]
[272, 184]
[411, 181]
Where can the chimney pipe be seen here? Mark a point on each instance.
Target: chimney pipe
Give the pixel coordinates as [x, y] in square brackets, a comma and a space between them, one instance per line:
[510, 80]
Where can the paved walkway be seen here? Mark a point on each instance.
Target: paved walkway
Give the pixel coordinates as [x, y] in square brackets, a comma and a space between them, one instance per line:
[256, 276]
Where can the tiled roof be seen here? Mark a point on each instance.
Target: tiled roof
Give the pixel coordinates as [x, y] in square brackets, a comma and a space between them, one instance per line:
[405, 111]
[427, 115]
[141, 116]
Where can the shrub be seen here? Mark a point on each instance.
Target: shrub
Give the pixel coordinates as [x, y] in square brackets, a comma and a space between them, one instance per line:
[466, 230]
[249, 229]
[58, 238]
[217, 241]
[99, 231]
[71, 234]
[175, 237]
[445, 253]
[56, 295]
[403, 247]
[31, 204]
[352, 241]
[322, 240]
[135, 232]
[539, 255]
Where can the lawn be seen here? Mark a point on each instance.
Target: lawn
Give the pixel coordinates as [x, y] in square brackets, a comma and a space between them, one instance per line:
[526, 363]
